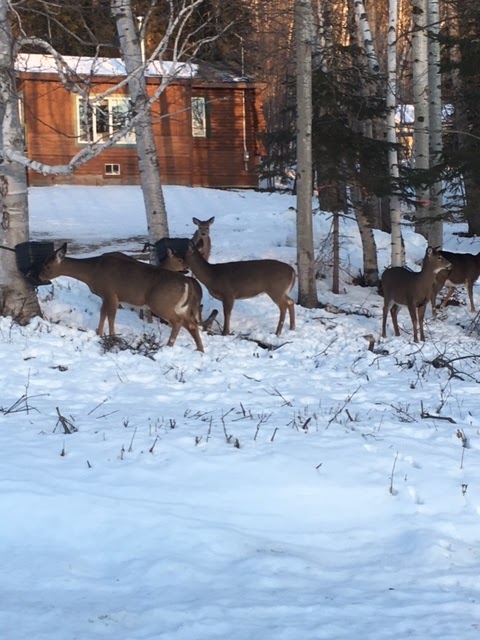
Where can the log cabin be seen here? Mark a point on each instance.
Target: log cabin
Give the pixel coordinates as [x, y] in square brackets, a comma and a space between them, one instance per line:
[207, 123]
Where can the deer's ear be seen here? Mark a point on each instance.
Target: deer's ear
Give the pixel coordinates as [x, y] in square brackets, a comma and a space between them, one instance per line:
[60, 253]
[429, 251]
[211, 221]
[196, 221]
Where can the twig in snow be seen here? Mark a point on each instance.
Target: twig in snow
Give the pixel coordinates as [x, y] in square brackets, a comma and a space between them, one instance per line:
[130, 448]
[68, 427]
[461, 434]
[392, 490]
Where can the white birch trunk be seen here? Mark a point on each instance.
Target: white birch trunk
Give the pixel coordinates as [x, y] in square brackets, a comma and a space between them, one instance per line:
[307, 291]
[435, 231]
[363, 204]
[421, 105]
[398, 257]
[17, 297]
[149, 166]
[366, 37]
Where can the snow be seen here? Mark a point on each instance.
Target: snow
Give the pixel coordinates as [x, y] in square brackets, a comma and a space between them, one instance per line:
[313, 490]
[86, 66]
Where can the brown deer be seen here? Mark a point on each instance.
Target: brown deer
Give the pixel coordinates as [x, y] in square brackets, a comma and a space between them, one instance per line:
[172, 296]
[402, 287]
[465, 271]
[171, 262]
[230, 281]
[201, 237]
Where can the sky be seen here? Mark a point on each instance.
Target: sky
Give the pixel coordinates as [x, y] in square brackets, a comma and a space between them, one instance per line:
[271, 488]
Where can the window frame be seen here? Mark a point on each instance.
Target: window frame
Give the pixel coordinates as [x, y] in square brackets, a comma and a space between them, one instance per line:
[200, 117]
[108, 121]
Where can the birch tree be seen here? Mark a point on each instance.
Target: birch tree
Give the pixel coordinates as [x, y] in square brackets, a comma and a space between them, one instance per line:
[17, 297]
[435, 230]
[363, 203]
[421, 105]
[307, 291]
[391, 134]
[149, 166]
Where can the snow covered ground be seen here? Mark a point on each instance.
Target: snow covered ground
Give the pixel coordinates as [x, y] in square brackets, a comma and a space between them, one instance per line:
[307, 491]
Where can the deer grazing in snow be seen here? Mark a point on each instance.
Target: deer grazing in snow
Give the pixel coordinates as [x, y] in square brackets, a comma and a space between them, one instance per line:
[413, 289]
[230, 281]
[465, 270]
[121, 279]
[201, 237]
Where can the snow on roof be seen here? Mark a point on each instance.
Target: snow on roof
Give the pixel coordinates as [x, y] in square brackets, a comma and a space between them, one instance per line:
[87, 66]
[111, 67]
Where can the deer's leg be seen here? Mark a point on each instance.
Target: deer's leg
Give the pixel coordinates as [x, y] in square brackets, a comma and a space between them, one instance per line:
[447, 297]
[283, 310]
[227, 312]
[192, 328]
[470, 295]
[413, 315]
[291, 312]
[433, 300]
[394, 313]
[108, 310]
[384, 319]
[421, 315]
[176, 325]
[103, 316]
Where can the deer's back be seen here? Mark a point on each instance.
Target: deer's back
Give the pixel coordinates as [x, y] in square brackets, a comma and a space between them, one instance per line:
[404, 286]
[132, 281]
[249, 278]
[465, 267]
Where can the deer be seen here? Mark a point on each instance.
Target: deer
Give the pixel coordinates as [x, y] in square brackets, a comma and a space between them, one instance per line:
[230, 281]
[170, 295]
[171, 262]
[201, 237]
[413, 289]
[465, 270]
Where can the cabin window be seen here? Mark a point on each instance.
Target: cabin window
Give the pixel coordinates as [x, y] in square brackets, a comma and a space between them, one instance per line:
[104, 119]
[112, 169]
[199, 117]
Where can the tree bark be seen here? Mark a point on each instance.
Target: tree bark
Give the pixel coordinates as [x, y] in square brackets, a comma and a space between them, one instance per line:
[398, 257]
[17, 297]
[307, 290]
[421, 104]
[435, 231]
[149, 166]
[362, 207]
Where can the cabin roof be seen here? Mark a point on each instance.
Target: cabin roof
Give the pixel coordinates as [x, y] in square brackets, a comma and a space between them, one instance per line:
[114, 67]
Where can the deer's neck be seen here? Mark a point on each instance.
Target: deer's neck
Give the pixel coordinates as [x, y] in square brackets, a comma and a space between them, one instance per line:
[82, 269]
[201, 269]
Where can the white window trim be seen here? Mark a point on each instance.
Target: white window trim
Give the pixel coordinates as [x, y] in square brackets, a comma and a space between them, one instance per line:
[128, 139]
[199, 116]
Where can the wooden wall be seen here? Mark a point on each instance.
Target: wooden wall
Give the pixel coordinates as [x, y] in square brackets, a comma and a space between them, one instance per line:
[215, 161]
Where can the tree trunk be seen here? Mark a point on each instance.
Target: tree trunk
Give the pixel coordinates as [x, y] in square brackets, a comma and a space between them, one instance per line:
[435, 231]
[149, 166]
[307, 290]
[421, 104]
[362, 207]
[17, 297]
[398, 257]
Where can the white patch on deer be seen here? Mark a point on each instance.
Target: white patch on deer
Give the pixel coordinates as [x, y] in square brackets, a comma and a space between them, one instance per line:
[182, 304]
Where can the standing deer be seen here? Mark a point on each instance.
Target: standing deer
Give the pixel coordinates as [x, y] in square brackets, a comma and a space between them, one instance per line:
[230, 281]
[402, 287]
[201, 237]
[171, 262]
[465, 270]
[171, 296]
